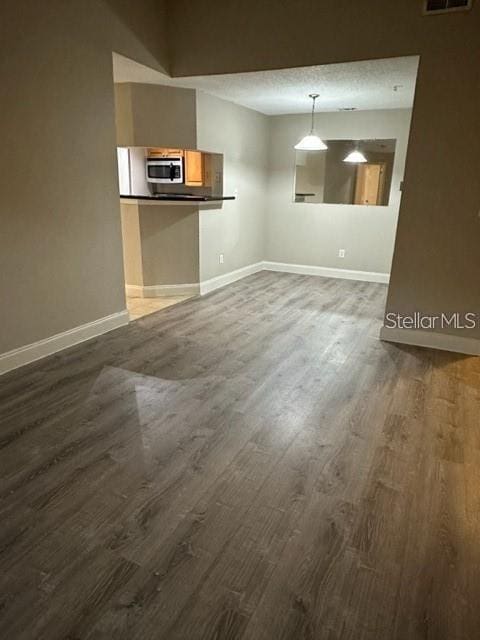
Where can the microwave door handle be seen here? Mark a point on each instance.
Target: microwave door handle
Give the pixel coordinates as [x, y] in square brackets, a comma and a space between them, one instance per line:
[172, 172]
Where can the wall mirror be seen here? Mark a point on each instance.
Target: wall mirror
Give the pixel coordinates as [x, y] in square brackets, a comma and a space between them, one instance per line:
[348, 172]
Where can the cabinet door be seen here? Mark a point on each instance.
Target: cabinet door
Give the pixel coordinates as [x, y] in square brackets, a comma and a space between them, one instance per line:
[193, 168]
[164, 151]
[370, 183]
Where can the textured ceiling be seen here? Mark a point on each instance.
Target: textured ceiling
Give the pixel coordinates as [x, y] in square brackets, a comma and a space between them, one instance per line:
[362, 85]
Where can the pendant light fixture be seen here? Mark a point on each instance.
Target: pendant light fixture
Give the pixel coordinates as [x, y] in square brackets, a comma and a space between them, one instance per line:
[311, 142]
[355, 157]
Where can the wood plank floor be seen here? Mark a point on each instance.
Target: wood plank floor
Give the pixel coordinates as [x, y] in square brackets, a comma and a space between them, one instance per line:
[253, 464]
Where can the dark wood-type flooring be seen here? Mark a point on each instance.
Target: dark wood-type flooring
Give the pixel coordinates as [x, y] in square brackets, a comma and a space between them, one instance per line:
[254, 464]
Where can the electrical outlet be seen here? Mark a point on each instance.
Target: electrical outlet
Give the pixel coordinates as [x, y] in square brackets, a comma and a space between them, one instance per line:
[341, 253]
[220, 258]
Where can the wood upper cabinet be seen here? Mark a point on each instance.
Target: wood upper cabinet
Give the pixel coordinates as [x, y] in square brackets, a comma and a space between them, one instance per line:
[164, 151]
[193, 168]
[194, 163]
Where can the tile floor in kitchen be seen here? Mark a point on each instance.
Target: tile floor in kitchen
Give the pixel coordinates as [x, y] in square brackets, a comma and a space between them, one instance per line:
[139, 307]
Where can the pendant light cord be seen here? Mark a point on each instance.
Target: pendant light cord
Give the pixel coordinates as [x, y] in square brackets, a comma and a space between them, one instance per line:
[313, 96]
[313, 114]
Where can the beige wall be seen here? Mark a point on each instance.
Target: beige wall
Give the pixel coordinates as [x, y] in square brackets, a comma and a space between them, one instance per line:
[154, 115]
[160, 243]
[60, 240]
[134, 28]
[132, 245]
[169, 240]
[436, 262]
[312, 234]
[236, 230]
[124, 123]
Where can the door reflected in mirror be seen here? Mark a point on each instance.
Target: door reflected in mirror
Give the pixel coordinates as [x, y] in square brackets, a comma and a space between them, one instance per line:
[331, 177]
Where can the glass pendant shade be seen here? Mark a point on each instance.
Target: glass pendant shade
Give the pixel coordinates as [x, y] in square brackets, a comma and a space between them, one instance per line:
[355, 157]
[311, 142]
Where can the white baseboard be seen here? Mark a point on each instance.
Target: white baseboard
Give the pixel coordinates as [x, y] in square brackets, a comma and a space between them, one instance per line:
[220, 281]
[162, 290]
[156, 291]
[327, 272]
[227, 278]
[432, 340]
[32, 352]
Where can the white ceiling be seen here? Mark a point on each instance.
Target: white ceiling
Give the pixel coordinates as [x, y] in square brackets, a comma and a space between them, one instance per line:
[363, 85]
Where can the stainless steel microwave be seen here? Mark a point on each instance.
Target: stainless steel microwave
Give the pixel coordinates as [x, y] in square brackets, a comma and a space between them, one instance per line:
[166, 169]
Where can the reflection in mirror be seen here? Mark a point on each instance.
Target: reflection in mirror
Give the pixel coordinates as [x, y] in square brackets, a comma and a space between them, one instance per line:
[331, 177]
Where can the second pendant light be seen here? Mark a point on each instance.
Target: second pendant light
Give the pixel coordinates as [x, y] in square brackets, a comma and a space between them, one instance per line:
[355, 157]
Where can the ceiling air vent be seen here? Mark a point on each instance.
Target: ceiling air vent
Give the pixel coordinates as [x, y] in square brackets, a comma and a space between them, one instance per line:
[431, 7]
